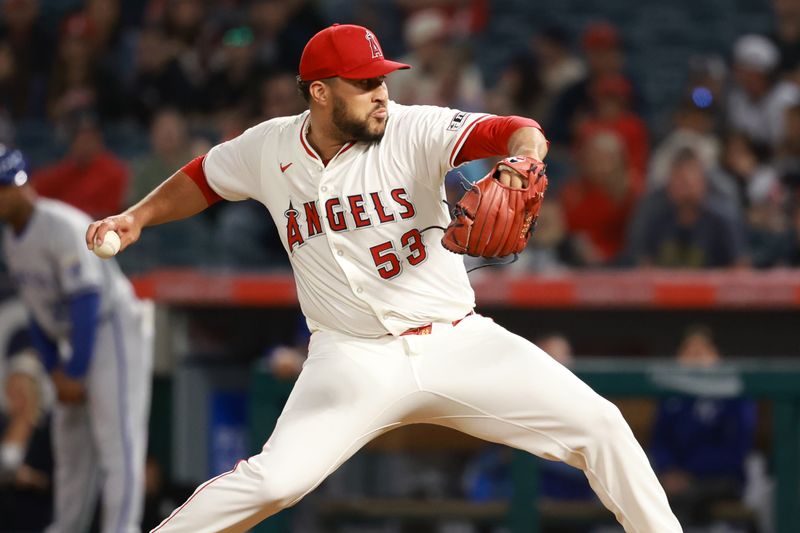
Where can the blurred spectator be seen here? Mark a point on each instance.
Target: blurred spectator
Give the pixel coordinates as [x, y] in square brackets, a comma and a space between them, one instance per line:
[277, 96]
[382, 17]
[231, 123]
[247, 238]
[518, 90]
[103, 17]
[89, 177]
[26, 49]
[699, 444]
[787, 158]
[232, 73]
[707, 86]
[551, 248]
[786, 34]
[611, 100]
[269, 19]
[760, 196]
[440, 74]
[26, 462]
[758, 98]
[171, 150]
[745, 167]
[189, 31]
[560, 68]
[113, 45]
[694, 129]
[603, 49]
[599, 202]
[769, 236]
[79, 79]
[686, 227]
[160, 80]
[182, 19]
[469, 15]
[12, 85]
[282, 28]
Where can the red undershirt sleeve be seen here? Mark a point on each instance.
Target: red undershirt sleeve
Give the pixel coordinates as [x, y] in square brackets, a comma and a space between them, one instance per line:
[490, 137]
[194, 169]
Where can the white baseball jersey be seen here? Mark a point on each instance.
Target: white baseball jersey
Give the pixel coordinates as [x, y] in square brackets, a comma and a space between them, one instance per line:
[106, 435]
[49, 262]
[352, 228]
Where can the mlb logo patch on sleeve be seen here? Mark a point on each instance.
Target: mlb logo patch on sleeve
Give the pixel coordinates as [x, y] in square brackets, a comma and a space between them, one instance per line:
[458, 120]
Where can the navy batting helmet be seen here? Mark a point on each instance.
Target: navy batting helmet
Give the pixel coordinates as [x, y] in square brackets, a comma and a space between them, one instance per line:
[13, 167]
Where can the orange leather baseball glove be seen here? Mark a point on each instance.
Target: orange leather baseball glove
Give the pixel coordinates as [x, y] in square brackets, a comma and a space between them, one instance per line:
[496, 220]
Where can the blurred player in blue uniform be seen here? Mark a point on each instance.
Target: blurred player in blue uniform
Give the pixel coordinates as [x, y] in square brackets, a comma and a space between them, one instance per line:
[95, 339]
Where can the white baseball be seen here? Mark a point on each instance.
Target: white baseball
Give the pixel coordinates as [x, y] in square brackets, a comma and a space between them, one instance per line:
[110, 246]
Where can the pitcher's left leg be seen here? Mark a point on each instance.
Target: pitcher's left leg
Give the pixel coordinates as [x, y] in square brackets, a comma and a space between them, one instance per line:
[502, 388]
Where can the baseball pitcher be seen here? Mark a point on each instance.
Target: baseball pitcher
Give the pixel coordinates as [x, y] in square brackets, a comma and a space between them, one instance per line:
[355, 186]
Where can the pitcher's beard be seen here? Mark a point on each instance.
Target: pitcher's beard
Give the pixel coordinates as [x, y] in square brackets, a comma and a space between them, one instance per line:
[356, 130]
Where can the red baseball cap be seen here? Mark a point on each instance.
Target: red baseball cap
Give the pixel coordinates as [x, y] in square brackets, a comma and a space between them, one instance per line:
[347, 51]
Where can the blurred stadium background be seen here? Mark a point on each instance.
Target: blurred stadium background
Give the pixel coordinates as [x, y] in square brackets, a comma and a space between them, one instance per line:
[663, 270]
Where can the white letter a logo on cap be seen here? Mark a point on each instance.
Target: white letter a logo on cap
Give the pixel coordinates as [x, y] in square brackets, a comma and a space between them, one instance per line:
[373, 45]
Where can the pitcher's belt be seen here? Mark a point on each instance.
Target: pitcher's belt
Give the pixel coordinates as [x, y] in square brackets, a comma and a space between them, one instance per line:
[427, 328]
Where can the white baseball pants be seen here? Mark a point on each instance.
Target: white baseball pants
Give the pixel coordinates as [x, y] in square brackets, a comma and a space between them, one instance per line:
[102, 444]
[475, 377]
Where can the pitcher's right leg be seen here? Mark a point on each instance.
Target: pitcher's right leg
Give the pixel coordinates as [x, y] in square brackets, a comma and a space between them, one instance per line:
[347, 394]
